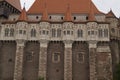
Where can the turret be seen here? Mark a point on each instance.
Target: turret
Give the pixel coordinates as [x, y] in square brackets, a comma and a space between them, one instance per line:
[21, 29]
[44, 24]
[112, 19]
[68, 25]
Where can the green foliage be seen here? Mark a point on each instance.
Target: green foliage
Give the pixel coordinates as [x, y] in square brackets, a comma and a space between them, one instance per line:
[117, 72]
[41, 78]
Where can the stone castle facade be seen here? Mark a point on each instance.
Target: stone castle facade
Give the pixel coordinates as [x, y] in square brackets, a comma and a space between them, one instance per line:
[57, 46]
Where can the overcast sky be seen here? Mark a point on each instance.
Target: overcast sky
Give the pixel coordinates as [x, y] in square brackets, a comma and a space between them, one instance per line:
[102, 5]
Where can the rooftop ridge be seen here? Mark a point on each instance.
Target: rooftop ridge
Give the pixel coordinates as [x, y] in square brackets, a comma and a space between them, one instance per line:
[58, 6]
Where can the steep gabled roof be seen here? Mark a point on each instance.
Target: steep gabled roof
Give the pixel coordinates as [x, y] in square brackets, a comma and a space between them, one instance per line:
[68, 16]
[23, 15]
[58, 6]
[15, 3]
[45, 14]
[110, 14]
[91, 13]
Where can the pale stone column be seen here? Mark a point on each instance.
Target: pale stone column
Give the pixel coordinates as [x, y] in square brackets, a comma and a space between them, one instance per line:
[43, 60]
[92, 59]
[68, 60]
[19, 60]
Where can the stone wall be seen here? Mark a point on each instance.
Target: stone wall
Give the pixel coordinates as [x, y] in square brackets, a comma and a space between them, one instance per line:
[55, 69]
[7, 60]
[31, 61]
[104, 62]
[80, 61]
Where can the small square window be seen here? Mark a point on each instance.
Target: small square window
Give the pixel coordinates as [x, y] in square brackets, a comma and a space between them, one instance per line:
[29, 56]
[56, 57]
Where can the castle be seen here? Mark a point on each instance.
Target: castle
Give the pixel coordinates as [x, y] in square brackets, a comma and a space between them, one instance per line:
[58, 40]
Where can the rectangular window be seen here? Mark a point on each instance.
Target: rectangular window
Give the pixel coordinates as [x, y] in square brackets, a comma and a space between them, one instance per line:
[64, 32]
[53, 32]
[20, 31]
[80, 57]
[24, 32]
[47, 32]
[105, 32]
[68, 32]
[43, 32]
[56, 57]
[58, 33]
[29, 56]
[88, 32]
[92, 32]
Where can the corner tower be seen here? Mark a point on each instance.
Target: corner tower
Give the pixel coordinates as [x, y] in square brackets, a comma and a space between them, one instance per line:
[8, 7]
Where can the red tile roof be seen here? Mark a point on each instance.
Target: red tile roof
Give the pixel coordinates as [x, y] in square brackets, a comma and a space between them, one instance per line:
[91, 14]
[59, 6]
[110, 14]
[45, 14]
[15, 3]
[23, 15]
[68, 16]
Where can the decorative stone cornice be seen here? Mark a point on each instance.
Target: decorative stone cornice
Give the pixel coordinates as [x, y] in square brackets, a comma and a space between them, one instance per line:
[103, 49]
[92, 44]
[20, 42]
[43, 43]
[68, 43]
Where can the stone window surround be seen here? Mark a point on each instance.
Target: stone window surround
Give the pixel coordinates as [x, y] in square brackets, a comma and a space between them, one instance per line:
[78, 53]
[53, 57]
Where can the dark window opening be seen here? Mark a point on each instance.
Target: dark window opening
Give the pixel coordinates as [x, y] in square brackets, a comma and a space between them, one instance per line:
[113, 30]
[57, 70]
[50, 17]
[20, 31]
[10, 60]
[86, 17]
[74, 18]
[61, 18]
[37, 17]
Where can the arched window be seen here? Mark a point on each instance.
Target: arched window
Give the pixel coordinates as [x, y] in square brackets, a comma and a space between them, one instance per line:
[33, 33]
[43, 32]
[80, 33]
[11, 32]
[100, 33]
[58, 32]
[6, 32]
[53, 32]
[105, 32]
